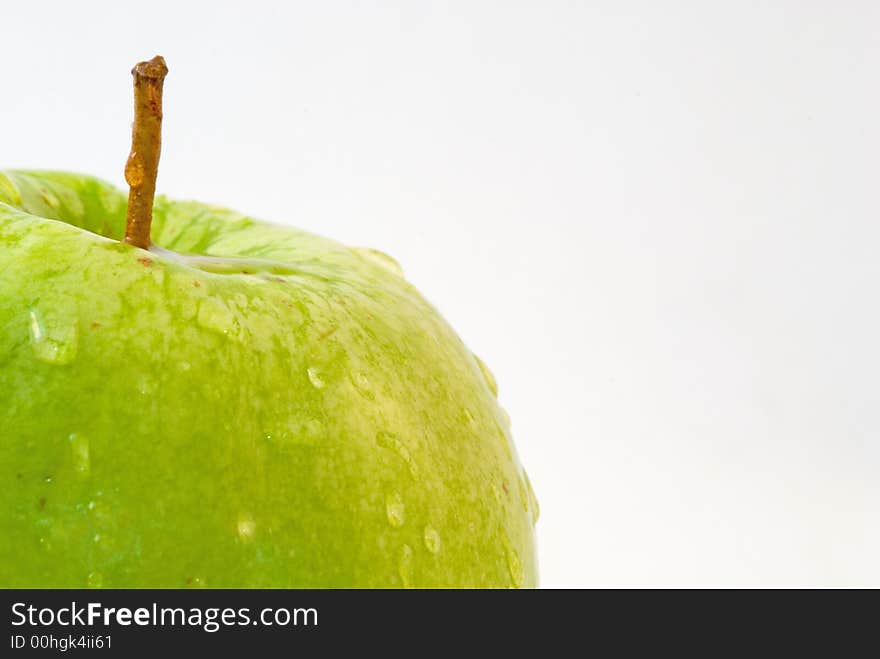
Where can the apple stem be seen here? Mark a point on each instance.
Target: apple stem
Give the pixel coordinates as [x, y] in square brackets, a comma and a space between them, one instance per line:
[146, 143]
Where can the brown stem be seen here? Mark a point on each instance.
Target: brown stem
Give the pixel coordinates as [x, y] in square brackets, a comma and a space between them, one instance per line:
[146, 143]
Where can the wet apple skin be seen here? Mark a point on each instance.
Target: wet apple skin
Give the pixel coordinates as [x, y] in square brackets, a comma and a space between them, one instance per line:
[309, 422]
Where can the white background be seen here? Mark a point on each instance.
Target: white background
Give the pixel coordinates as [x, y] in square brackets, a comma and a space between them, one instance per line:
[656, 221]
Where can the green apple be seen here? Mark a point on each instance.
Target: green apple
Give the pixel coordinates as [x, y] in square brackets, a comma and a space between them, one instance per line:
[244, 405]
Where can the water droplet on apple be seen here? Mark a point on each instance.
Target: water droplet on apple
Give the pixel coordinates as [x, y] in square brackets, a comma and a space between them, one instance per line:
[146, 385]
[405, 567]
[469, 416]
[379, 258]
[246, 527]
[392, 442]
[533, 500]
[514, 565]
[215, 316]
[394, 509]
[362, 384]
[79, 445]
[523, 494]
[432, 539]
[505, 417]
[496, 493]
[505, 441]
[313, 432]
[54, 339]
[491, 382]
[94, 580]
[158, 275]
[305, 432]
[184, 366]
[315, 377]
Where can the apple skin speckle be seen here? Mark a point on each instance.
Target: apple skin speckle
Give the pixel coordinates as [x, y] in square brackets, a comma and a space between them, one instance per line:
[311, 422]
